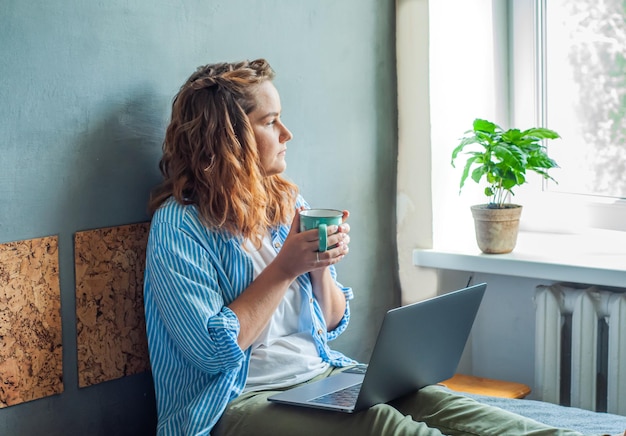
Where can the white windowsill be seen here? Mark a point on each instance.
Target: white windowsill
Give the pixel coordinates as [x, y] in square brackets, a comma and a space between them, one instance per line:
[596, 257]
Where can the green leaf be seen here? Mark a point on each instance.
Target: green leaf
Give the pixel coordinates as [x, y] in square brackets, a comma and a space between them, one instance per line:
[485, 126]
[541, 161]
[466, 169]
[478, 173]
[464, 142]
[512, 136]
[510, 156]
[541, 133]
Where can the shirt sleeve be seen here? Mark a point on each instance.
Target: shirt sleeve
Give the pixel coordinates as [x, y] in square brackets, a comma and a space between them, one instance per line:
[189, 300]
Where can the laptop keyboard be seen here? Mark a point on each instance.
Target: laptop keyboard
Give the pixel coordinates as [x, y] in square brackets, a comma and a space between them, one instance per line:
[357, 369]
[345, 397]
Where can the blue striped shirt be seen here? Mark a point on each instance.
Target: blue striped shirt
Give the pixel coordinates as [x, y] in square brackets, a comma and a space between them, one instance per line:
[192, 274]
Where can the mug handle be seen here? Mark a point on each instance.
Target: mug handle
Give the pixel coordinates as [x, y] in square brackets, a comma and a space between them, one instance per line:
[323, 244]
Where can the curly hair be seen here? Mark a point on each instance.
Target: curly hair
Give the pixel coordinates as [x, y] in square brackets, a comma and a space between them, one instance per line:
[210, 156]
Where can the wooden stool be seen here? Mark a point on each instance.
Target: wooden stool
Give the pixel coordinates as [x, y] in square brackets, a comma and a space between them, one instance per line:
[486, 386]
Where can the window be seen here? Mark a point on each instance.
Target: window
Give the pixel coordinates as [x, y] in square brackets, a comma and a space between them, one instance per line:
[578, 88]
[487, 60]
[585, 93]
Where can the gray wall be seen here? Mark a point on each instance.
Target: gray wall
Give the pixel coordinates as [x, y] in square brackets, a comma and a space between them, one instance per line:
[502, 344]
[85, 90]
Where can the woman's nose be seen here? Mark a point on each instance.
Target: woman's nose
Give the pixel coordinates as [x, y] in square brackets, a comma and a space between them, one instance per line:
[286, 134]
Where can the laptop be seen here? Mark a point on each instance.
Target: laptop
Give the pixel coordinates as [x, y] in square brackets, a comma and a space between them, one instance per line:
[418, 345]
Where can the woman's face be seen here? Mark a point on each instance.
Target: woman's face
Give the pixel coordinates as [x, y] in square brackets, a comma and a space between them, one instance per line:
[270, 133]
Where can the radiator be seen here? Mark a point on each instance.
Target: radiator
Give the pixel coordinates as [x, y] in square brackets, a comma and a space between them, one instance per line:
[580, 347]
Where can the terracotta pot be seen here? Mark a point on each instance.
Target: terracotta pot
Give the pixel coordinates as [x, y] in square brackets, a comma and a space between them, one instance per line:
[496, 229]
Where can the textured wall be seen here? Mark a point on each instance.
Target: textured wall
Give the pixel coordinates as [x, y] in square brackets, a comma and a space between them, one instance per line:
[85, 90]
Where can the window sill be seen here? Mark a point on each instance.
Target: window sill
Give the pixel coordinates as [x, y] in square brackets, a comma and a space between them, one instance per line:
[596, 257]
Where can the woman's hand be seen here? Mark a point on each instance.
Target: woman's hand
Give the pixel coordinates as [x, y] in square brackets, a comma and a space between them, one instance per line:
[299, 253]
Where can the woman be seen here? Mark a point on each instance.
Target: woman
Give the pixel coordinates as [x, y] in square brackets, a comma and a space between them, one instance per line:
[240, 304]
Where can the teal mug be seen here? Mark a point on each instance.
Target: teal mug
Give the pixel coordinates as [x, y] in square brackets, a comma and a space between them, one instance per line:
[320, 219]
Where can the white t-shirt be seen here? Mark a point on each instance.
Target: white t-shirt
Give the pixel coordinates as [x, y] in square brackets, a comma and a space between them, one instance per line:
[284, 354]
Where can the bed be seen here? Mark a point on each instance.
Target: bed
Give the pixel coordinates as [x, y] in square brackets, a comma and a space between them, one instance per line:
[583, 421]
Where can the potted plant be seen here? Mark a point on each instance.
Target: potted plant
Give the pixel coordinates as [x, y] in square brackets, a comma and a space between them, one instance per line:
[502, 158]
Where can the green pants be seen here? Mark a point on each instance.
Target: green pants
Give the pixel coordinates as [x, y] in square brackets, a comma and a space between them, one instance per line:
[432, 411]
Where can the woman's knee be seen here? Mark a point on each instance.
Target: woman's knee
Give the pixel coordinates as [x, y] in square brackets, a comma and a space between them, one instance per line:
[386, 419]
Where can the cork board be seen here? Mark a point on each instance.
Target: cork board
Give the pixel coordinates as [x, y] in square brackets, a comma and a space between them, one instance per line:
[31, 361]
[110, 320]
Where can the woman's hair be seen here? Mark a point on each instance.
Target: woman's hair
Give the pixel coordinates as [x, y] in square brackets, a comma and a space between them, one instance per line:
[210, 156]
